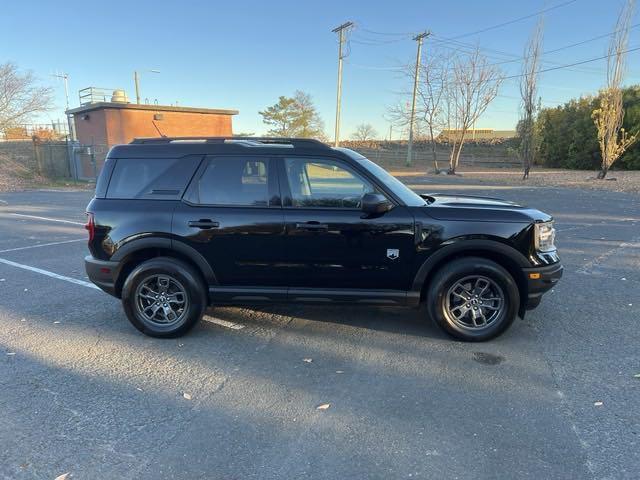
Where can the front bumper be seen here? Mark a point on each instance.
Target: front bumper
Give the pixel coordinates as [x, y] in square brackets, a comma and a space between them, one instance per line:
[539, 281]
[102, 273]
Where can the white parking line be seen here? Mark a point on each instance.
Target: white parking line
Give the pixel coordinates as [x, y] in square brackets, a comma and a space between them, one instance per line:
[49, 274]
[46, 218]
[43, 245]
[223, 323]
[206, 318]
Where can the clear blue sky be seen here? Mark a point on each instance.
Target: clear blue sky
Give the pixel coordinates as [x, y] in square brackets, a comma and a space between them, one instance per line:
[243, 55]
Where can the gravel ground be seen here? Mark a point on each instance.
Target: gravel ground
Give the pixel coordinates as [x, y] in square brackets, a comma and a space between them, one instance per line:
[617, 181]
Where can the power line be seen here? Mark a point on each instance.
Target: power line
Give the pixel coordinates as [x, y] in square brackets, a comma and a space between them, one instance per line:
[573, 64]
[515, 57]
[367, 41]
[515, 20]
[398, 34]
[565, 47]
[377, 67]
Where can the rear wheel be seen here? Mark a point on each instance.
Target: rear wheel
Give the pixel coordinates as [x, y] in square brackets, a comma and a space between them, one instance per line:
[473, 299]
[164, 297]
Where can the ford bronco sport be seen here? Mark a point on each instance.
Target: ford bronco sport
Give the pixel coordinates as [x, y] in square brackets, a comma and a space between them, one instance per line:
[179, 224]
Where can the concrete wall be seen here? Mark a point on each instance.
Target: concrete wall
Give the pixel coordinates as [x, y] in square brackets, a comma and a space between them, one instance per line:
[21, 151]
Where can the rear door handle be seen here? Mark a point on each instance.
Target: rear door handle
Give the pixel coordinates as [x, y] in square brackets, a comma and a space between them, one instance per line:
[204, 223]
[312, 226]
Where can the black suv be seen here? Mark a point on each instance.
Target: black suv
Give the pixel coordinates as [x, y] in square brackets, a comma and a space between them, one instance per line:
[178, 224]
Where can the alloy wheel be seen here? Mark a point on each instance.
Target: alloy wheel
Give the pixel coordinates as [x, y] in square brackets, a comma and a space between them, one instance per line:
[161, 299]
[474, 302]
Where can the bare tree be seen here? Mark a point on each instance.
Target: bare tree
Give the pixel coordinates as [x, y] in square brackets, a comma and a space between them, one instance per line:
[528, 93]
[432, 92]
[474, 85]
[20, 97]
[364, 132]
[430, 115]
[608, 117]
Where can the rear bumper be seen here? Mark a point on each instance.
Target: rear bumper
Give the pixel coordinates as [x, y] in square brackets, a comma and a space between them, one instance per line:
[547, 277]
[102, 273]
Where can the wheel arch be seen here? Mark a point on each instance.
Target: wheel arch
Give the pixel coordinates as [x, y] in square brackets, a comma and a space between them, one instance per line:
[504, 255]
[135, 252]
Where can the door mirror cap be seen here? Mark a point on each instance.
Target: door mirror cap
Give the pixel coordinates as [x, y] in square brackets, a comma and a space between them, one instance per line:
[375, 203]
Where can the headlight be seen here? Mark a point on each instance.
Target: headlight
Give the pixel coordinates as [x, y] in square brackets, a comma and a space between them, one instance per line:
[545, 237]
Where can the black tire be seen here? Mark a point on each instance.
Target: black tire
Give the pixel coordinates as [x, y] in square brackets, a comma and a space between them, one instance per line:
[449, 307]
[184, 292]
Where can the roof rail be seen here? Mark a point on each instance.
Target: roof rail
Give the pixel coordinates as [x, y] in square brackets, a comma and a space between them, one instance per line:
[249, 141]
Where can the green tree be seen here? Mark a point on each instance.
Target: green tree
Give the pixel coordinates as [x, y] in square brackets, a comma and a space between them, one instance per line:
[568, 138]
[294, 116]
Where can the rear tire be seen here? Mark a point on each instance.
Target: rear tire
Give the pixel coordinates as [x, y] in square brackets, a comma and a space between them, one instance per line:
[164, 297]
[473, 299]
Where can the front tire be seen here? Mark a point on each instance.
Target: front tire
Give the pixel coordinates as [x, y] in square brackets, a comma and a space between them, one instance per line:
[164, 297]
[473, 299]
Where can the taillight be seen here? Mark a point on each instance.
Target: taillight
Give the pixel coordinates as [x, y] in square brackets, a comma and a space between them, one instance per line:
[90, 226]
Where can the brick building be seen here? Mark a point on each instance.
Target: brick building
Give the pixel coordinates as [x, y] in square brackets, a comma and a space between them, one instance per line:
[106, 118]
[112, 123]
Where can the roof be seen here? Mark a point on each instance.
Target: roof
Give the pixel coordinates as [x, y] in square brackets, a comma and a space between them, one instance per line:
[172, 147]
[154, 108]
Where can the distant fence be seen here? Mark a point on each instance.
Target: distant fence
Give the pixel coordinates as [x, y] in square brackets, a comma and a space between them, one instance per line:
[52, 159]
[57, 159]
[473, 156]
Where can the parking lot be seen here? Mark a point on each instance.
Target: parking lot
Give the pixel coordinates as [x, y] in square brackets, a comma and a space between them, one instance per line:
[83, 392]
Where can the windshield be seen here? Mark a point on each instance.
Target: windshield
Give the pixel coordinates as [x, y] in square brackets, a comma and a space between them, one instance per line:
[399, 189]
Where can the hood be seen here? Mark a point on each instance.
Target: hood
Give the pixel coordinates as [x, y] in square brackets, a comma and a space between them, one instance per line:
[482, 209]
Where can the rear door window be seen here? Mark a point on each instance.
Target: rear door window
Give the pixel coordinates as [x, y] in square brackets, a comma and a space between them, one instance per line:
[152, 178]
[233, 181]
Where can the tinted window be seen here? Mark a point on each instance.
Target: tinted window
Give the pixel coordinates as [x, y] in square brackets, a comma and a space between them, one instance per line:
[233, 181]
[408, 196]
[324, 183]
[103, 178]
[161, 178]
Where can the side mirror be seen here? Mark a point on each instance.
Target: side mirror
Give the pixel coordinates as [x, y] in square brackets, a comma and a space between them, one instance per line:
[375, 203]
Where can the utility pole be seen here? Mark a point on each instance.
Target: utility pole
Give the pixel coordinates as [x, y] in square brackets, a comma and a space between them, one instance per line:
[418, 38]
[340, 31]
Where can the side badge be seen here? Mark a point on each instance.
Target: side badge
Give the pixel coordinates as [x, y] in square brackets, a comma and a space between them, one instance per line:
[393, 253]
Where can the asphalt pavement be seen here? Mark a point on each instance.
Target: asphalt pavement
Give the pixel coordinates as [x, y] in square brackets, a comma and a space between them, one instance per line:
[82, 392]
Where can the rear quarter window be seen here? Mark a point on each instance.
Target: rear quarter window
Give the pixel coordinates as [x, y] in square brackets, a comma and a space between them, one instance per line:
[151, 178]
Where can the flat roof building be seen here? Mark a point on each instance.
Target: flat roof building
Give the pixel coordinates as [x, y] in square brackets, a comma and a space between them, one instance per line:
[112, 123]
[100, 124]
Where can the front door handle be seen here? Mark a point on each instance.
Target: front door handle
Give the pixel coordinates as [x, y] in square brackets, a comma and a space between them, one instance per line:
[312, 226]
[204, 224]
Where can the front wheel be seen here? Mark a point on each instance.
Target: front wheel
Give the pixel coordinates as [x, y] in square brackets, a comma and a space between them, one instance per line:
[164, 297]
[473, 299]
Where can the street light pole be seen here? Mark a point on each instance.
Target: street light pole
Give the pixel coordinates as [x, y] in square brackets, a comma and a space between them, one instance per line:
[136, 80]
[65, 78]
